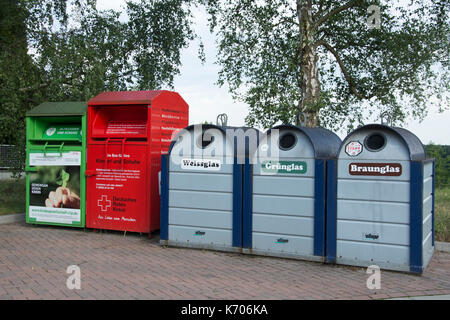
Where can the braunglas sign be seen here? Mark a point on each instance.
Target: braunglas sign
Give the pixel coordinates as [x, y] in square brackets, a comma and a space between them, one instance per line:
[375, 169]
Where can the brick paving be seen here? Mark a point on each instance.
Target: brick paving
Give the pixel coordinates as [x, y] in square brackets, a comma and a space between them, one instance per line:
[34, 259]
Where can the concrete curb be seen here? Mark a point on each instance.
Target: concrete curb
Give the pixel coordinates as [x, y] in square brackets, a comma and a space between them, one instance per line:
[7, 175]
[442, 246]
[437, 297]
[11, 218]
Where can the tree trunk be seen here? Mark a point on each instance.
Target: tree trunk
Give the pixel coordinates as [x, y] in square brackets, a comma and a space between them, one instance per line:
[310, 84]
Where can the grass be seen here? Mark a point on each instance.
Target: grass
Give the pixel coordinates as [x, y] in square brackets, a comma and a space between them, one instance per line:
[442, 214]
[12, 196]
[12, 200]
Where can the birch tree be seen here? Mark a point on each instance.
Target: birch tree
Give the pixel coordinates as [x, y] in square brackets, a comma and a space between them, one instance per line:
[337, 62]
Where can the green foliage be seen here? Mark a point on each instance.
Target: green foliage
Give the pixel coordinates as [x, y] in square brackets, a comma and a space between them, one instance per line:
[397, 68]
[93, 51]
[17, 70]
[67, 50]
[12, 196]
[155, 35]
[441, 154]
[442, 214]
[63, 178]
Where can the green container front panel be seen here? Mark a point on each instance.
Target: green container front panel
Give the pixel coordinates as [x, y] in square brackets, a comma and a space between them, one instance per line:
[55, 166]
[41, 129]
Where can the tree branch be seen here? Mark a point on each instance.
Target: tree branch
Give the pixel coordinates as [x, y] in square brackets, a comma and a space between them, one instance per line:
[66, 81]
[35, 87]
[318, 43]
[299, 9]
[344, 69]
[285, 20]
[333, 13]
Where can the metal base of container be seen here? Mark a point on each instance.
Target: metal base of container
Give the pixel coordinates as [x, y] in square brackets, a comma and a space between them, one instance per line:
[284, 255]
[213, 247]
[387, 266]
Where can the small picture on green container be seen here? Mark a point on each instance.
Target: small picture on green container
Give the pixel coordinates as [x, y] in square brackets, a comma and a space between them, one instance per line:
[55, 194]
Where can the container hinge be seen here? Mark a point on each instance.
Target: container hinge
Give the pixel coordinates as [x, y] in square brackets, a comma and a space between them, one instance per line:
[90, 173]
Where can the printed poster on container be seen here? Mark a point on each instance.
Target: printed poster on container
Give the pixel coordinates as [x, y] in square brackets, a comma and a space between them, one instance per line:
[55, 187]
[118, 188]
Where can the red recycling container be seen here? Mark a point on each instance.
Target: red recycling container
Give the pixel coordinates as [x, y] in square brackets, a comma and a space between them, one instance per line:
[127, 133]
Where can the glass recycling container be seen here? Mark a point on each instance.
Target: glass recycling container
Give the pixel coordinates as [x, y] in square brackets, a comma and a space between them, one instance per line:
[127, 133]
[55, 164]
[201, 187]
[285, 192]
[381, 201]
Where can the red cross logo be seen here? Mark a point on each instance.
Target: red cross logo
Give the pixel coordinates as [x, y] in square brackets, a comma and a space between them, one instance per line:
[104, 203]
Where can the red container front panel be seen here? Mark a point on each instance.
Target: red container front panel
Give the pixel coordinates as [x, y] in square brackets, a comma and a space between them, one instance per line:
[135, 127]
[118, 187]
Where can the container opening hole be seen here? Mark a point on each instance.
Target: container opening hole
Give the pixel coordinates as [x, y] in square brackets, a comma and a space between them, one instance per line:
[204, 140]
[375, 142]
[287, 141]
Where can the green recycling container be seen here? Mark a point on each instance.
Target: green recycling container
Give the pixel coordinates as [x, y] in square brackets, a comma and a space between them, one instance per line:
[56, 164]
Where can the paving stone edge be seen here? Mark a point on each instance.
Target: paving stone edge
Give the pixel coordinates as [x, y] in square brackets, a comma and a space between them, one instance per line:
[11, 218]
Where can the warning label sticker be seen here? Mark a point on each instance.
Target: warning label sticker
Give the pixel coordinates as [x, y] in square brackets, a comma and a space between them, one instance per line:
[353, 148]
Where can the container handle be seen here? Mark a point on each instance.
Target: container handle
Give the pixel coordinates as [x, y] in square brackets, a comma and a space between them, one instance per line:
[222, 119]
[106, 153]
[60, 147]
[302, 117]
[122, 149]
[386, 119]
[90, 173]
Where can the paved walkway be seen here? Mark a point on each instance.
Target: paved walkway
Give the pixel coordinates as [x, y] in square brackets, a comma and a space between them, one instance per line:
[34, 259]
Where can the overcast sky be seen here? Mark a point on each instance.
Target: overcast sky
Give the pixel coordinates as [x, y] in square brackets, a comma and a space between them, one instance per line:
[206, 100]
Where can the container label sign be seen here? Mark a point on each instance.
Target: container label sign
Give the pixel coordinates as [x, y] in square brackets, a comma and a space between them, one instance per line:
[60, 132]
[118, 190]
[126, 127]
[71, 158]
[201, 164]
[370, 236]
[54, 215]
[353, 148]
[375, 169]
[54, 194]
[292, 167]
